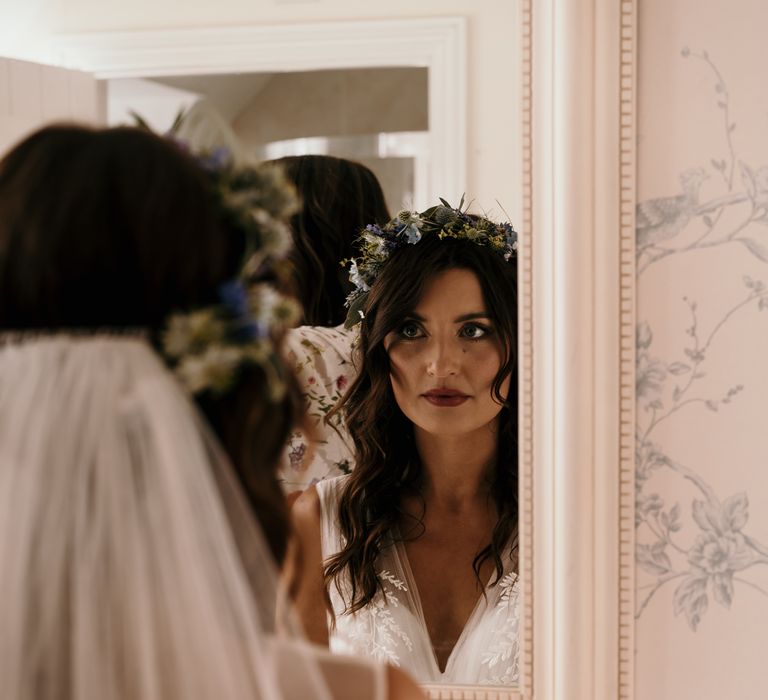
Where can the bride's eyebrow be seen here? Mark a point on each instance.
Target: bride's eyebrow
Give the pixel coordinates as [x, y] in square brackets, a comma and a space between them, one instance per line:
[472, 316]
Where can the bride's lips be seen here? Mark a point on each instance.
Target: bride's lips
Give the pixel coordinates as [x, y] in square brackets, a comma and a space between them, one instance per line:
[445, 397]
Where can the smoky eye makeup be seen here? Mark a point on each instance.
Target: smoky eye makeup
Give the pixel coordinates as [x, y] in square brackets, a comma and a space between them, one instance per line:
[410, 329]
[473, 330]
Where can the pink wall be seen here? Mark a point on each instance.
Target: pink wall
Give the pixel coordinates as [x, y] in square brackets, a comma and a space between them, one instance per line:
[702, 482]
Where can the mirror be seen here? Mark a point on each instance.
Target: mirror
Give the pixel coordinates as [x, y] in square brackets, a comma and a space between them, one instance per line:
[463, 628]
[432, 52]
[346, 113]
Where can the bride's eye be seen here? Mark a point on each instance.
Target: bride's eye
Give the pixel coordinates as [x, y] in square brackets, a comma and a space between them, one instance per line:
[410, 330]
[474, 331]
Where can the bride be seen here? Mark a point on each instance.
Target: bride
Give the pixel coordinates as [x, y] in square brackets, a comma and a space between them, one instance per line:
[419, 543]
[143, 407]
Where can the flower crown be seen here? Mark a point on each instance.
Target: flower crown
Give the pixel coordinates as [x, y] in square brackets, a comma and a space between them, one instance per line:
[207, 347]
[377, 244]
[257, 199]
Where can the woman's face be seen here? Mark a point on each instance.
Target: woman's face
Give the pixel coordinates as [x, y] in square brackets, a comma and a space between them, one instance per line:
[445, 356]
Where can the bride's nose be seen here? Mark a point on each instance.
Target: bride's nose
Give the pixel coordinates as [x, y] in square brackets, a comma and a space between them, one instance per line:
[444, 359]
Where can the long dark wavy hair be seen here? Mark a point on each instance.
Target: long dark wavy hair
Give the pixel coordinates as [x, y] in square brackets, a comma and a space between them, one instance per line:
[388, 464]
[338, 198]
[118, 228]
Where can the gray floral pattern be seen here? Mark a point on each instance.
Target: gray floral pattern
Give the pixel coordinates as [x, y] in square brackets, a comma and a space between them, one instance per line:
[701, 547]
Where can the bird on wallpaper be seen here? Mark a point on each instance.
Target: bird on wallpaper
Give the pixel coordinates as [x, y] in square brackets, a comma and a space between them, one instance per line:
[658, 220]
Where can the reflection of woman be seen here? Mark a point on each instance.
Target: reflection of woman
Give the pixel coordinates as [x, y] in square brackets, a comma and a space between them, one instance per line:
[338, 198]
[419, 543]
[130, 563]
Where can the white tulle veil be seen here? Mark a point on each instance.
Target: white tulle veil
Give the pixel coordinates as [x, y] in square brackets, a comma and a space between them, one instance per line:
[130, 566]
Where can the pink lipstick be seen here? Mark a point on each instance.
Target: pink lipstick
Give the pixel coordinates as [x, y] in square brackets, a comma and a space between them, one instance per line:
[445, 397]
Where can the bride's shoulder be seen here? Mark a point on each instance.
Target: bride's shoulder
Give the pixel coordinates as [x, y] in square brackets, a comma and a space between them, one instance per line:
[325, 492]
[315, 503]
[348, 677]
[400, 686]
[306, 509]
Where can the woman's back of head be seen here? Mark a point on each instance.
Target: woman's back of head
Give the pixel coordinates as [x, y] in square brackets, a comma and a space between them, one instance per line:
[106, 228]
[117, 229]
[339, 198]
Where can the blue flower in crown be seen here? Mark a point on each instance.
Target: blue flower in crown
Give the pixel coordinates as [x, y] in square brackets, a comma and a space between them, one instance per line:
[217, 159]
[208, 347]
[235, 303]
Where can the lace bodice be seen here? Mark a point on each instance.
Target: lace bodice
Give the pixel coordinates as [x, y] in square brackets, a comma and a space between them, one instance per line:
[392, 628]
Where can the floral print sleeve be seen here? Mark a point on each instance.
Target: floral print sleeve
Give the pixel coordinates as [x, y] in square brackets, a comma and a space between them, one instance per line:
[321, 360]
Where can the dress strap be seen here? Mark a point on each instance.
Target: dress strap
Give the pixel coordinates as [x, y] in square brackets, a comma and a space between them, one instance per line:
[329, 493]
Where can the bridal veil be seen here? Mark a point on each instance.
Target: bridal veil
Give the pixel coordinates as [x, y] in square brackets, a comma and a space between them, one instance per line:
[124, 538]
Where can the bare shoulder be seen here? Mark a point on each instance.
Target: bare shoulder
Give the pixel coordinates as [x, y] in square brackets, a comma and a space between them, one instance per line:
[305, 511]
[308, 586]
[401, 686]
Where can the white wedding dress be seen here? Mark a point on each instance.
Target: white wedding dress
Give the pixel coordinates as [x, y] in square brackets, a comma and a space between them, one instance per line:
[392, 628]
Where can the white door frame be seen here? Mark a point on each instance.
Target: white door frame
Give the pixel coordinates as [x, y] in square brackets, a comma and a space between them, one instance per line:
[438, 44]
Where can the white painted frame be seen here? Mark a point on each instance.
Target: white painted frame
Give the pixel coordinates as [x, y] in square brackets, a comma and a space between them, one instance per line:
[578, 426]
[438, 44]
[577, 288]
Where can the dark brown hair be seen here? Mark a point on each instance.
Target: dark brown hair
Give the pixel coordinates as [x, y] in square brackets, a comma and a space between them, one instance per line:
[339, 197]
[117, 228]
[388, 464]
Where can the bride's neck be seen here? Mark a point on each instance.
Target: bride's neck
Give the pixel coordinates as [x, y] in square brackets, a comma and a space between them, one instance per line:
[457, 470]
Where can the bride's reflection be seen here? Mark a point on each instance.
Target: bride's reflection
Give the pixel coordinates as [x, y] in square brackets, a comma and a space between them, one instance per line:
[419, 542]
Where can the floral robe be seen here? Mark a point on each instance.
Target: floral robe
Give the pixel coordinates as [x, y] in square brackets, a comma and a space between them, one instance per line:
[322, 360]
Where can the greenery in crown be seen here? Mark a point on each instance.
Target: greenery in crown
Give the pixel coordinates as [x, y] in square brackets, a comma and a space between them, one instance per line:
[209, 346]
[378, 243]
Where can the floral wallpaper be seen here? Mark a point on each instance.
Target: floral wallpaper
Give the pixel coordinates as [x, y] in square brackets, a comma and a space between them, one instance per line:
[702, 349]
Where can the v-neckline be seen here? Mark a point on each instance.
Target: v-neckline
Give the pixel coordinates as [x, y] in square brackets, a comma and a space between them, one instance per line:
[405, 564]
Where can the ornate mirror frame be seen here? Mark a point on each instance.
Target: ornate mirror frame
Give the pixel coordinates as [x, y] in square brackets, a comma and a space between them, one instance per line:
[579, 374]
[574, 62]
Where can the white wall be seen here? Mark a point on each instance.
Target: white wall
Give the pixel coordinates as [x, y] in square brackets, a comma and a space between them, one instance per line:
[158, 105]
[493, 158]
[32, 95]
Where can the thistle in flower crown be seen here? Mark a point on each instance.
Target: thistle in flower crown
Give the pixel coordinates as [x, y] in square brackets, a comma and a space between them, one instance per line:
[378, 243]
